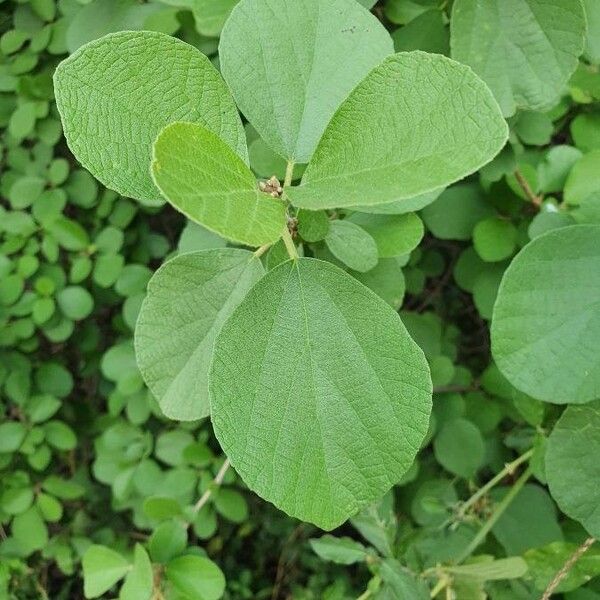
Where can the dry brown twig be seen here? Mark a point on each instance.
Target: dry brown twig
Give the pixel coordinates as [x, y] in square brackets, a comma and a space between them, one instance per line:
[564, 571]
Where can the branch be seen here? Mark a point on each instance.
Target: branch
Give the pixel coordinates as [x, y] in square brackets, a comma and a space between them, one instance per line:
[260, 251]
[564, 571]
[502, 506]
[217, 481]
[535, 200]
[289, 243]
[289, 174]
[509, 469]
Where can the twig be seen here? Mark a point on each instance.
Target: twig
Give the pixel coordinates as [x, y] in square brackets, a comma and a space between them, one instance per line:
[508, 469]
[443, 280]
[289, 243]
[283, 561]
[289, 174]
[441, 584]
[564, 571]
[502, 506]
[260, 251]
[216, 482]
[535, 200]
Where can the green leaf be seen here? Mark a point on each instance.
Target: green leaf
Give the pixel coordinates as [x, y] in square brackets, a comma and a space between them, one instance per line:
[210, 16]
[11, 288]
[12, 434]
[15, 501]
[592, 46]
[513, 567]
[168, 540]
[196, 577]
[99, 18]
[427, 32]
[495, 239]
[69, 234]
[343, 551]
[195, 237]
[25, 191]
[395, 235]
[585, 130]
[50, 508]
[525, 50]
[266, 163]
[582, 181]
[75, 302]
[313, 225]
[29, 531]
[133, 280]
[459, 448]
[118, 362]
[318, 395]
[189, 298]
[290, 64]
[454, 215]
[403, 12]
[139, 582]
[377, 523]
[433, 136]
[53, 378]
[573, 464]
[231, 505]
[529, 521]
[102, 568]
[556, 166]
[202, 177]
[386, 280]
[161, 509]
[60, 435]
[401, 207]
[115, 95]
[545, 562]
[546, 326]
[170, 446]
[352, 245]
[399, 582]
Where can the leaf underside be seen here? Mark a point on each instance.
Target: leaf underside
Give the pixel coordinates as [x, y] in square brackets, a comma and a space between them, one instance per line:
[319, 396]
[525, 50]
[189, 298]
[290, 64]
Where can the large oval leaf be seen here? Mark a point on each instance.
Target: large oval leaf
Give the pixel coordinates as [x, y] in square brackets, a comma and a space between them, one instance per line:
[207, 181]
[290, 63]
[525, 50]
[115, 94]
[319, 396]
[546, 321]
[189, 298]
[416, 123]
[573, 464]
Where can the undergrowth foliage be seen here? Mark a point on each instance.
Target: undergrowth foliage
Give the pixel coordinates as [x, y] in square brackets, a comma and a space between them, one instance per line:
[299, 266]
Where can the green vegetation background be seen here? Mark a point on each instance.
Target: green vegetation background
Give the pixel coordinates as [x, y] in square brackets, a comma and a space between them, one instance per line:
[86, 456]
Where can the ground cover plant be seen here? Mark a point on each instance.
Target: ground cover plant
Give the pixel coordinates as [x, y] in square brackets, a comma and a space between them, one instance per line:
[299, 299]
